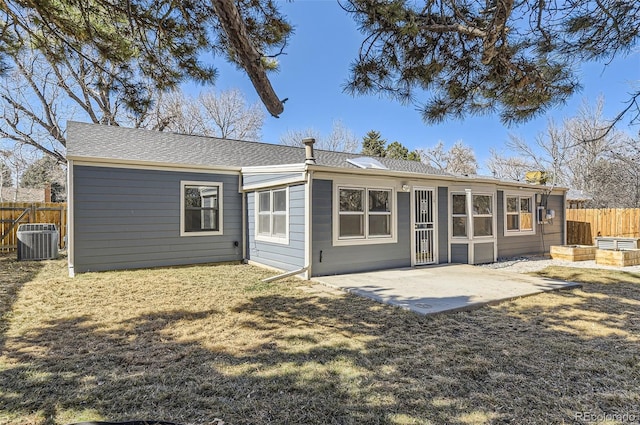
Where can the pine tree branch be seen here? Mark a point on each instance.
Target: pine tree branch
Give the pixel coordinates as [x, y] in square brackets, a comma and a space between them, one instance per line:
[250, 59]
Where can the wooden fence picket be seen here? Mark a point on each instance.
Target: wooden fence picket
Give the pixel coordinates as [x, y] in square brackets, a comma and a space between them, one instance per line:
[584, 225]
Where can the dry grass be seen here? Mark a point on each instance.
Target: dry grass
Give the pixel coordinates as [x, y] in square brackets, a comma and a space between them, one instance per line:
[197, 343]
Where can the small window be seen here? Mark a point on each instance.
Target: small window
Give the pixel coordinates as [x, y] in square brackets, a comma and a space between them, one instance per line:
[518, 214]
[379, 213]
[272, 215]
[364, 215]
[482, 215]
[351, 213]
[201, 212]
[459, 217]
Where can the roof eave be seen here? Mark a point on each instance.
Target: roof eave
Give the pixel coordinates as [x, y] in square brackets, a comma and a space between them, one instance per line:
[133, 163]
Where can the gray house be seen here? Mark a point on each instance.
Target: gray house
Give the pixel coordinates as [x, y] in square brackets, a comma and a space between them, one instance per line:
[139, 198]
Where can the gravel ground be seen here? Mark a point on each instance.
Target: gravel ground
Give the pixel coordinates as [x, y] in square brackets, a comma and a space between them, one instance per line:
[534, 264]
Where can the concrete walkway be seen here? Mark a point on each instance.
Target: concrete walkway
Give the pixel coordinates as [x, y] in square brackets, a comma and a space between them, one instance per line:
[437, 289]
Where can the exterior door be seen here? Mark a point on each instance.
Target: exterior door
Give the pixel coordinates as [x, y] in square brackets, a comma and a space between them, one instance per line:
[424, 227]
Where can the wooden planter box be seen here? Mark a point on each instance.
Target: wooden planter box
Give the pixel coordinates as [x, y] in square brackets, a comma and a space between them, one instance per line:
[573, 252]
[607, 257]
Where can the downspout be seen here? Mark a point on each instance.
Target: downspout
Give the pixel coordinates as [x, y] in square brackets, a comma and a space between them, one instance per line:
[283, 275]
[244, 226]
[308, 223]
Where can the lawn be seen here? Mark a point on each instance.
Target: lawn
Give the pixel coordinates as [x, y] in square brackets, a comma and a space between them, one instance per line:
[205, 344]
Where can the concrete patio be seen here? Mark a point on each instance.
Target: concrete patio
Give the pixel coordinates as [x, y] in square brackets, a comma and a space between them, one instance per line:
[443, 288]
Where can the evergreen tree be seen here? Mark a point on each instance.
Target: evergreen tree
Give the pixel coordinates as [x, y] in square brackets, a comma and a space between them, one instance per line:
[467, 57]
[164, 42]
[397, 150]
[373, 144]
[475, 57]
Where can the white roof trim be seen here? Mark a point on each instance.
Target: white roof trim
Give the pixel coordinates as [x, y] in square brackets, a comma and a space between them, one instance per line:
[123, 163]
[297, 179]
[280, 168]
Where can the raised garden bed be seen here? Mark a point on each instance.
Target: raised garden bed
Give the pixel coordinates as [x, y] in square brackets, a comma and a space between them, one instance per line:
[623, 258]
[573, 252]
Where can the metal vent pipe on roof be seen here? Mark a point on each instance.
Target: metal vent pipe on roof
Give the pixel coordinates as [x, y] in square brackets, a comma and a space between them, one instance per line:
[308, 149]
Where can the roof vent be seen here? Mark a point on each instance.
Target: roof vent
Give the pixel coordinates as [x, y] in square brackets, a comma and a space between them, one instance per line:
[367, 162]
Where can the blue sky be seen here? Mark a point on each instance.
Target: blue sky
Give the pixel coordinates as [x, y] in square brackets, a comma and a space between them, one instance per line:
[316, 66]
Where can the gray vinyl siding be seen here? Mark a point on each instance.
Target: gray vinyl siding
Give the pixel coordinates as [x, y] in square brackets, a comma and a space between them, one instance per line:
[460, 253]
[545, 236]
[443, 225]
[271, 179]
[328, 259]
[287, 257]
[130, 218]
[483, 253]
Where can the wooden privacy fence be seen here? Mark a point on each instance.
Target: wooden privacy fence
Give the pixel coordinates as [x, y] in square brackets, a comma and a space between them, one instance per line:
[13, 214]
[584, 225]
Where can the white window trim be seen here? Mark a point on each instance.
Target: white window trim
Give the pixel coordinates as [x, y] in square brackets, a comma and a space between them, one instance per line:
[283, 240]
[366, 240]
[533, 214]
[183, 184]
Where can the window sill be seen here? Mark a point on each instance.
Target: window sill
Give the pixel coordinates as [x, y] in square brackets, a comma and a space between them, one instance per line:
[284, 240]
[211, 233]
[517, 233]
[370, 241]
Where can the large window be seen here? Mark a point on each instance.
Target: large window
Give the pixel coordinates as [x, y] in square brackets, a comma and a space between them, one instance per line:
[272, 215]
[364, 215]
[481, 215]
[201, 209]
[518, 214]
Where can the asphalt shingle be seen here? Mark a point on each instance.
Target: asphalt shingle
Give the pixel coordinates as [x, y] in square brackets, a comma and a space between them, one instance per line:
[119, 143]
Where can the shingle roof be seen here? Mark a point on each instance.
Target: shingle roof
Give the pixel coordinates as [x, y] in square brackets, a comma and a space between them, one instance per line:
[119, 143]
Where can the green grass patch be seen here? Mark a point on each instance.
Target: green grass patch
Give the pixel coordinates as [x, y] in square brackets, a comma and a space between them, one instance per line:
[196, 344]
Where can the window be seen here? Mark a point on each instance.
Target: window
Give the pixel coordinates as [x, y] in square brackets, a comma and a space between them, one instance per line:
[459, 217]
[351, 213]
[379, 213]
[364, 215]
[272, 215]
[518, 214]
[482, 215]
[201, 209]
